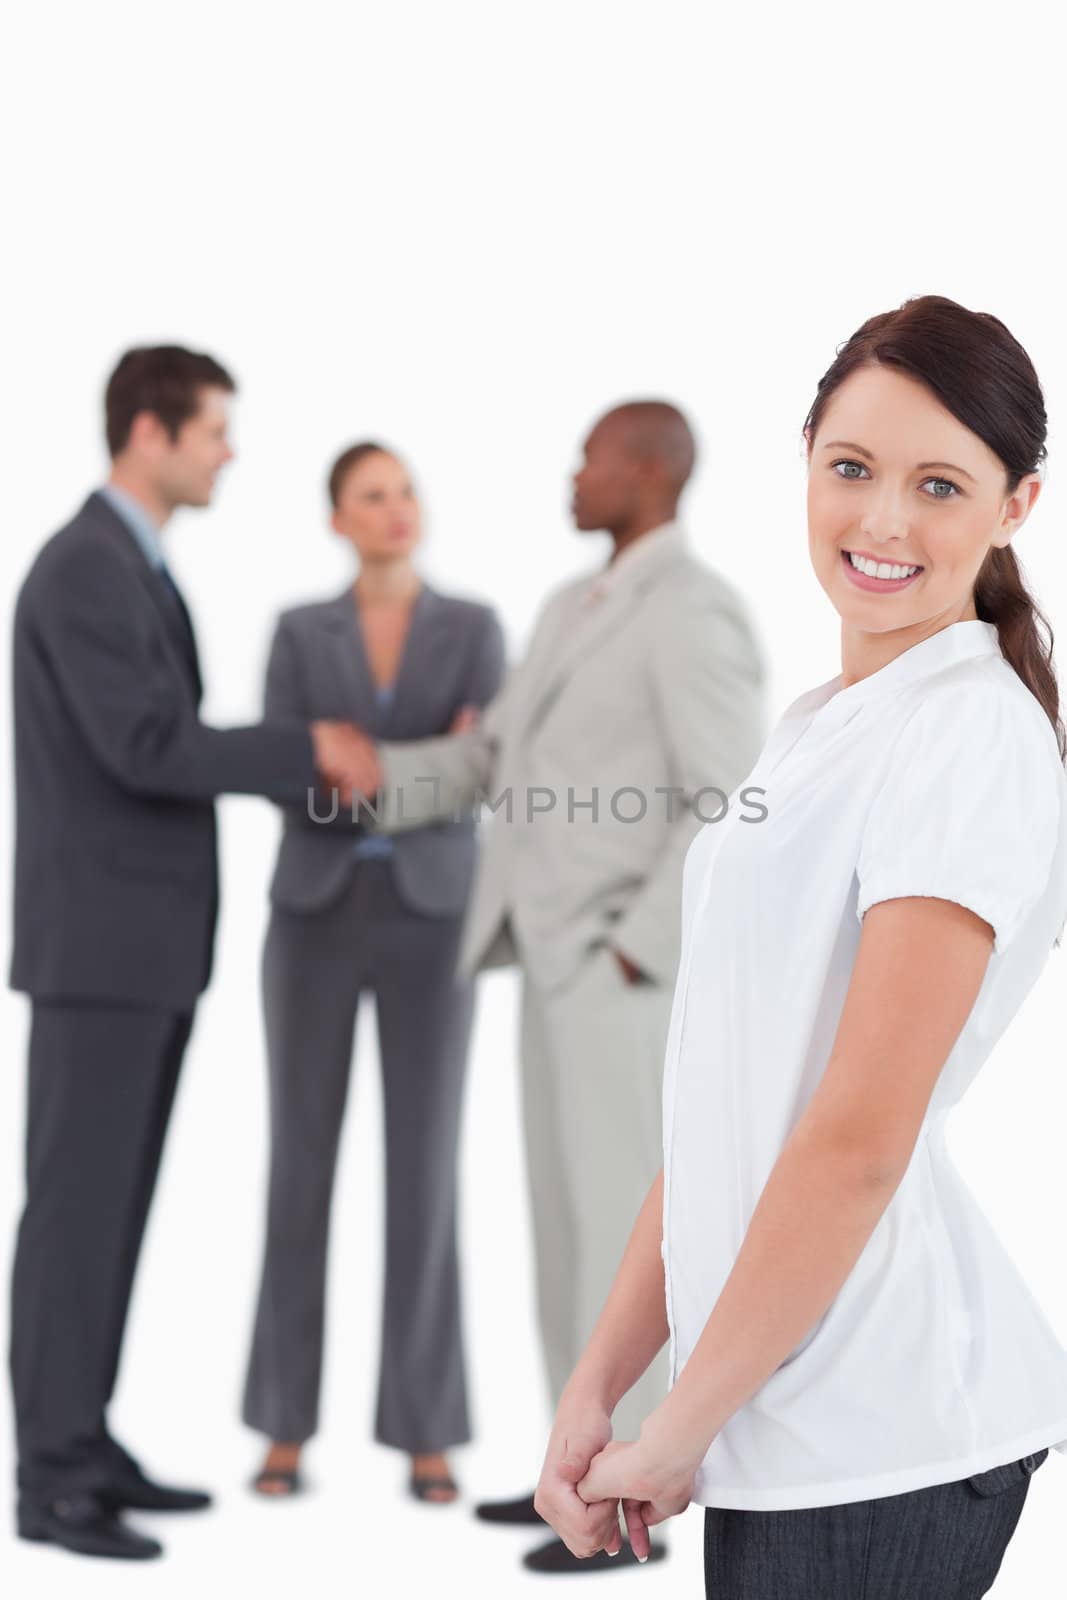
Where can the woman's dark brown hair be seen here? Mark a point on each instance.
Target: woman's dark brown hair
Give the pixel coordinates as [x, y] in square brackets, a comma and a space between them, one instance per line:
[980, 373]
[346, 461]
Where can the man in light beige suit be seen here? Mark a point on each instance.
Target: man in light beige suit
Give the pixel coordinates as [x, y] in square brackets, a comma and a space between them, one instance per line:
[637, 710]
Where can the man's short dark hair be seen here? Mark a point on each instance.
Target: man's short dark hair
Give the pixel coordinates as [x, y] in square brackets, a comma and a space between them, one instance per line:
[164, 379]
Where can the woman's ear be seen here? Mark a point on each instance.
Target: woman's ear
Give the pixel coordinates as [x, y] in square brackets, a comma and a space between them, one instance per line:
[1017, 507]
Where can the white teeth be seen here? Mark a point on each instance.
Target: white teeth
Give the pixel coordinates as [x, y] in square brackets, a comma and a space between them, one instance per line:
[880, 569]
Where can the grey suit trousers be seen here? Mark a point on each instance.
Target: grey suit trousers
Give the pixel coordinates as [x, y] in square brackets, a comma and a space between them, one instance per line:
[592, 1069]
[102, 1081]
[314, 967]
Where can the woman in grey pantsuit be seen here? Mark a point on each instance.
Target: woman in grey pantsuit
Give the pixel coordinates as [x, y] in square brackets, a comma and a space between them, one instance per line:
[352, 912]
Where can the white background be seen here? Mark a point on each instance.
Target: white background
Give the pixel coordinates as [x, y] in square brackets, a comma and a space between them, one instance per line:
[467, 228]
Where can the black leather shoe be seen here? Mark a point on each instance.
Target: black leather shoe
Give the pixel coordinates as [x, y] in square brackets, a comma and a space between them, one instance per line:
[554, 1557]
[518, 1513]
[135, 1492]
[85, 1525]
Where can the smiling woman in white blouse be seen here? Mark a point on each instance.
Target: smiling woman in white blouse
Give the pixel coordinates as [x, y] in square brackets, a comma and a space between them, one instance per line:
[862, 1384]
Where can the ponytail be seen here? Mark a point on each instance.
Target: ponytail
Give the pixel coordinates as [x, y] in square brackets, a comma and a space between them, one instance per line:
[1002, 597]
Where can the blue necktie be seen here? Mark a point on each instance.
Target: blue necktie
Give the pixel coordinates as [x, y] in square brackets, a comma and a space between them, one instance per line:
[185, 627]
[168, 580]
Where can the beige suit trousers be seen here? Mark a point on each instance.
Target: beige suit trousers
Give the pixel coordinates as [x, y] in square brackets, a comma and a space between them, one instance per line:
[592, 1062]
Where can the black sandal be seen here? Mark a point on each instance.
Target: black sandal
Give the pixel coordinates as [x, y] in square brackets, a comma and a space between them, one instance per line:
[422, 1488]
[288, 1480]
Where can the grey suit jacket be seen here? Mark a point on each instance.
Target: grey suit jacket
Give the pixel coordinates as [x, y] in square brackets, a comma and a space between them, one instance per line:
[453, 656]
[115, 870]
[660, 686]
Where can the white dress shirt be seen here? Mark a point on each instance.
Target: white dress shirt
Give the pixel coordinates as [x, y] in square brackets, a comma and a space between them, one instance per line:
[937, 775]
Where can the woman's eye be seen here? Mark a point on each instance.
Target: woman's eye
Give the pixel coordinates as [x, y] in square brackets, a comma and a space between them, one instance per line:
[849, 469]
[941, 489]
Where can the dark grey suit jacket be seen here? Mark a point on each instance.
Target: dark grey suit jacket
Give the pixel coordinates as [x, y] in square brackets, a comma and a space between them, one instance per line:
[453, 656]
[115, 861]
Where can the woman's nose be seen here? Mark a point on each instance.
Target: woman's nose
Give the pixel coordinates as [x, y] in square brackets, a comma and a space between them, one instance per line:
[885, 517]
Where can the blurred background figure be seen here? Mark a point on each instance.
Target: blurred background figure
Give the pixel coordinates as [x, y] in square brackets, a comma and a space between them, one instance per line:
[351, 913]
[116, 901]
[642, 688]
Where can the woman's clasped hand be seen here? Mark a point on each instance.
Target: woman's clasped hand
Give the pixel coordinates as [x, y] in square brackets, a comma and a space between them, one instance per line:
[587, 1476]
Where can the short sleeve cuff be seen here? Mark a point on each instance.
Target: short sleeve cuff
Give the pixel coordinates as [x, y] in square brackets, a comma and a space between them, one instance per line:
[876, 890]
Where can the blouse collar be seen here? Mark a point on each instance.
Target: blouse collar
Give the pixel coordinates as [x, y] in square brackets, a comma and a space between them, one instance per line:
[959, 641]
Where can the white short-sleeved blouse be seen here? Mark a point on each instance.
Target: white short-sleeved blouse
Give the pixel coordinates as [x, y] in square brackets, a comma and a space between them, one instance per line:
[938, 775]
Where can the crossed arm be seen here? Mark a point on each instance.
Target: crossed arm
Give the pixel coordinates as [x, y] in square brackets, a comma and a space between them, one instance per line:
[405, 784]
[918, 970]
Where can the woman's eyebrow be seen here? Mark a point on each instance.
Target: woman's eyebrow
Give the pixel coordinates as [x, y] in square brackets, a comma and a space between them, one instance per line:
[926, 465]
[846, 444]
[922, 466]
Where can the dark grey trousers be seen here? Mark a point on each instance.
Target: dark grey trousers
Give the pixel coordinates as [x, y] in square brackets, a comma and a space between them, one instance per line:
[314, 967]
[943, 1543]
[102, 1080]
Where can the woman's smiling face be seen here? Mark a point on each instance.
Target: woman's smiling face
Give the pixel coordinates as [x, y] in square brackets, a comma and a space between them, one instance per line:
[904, 502]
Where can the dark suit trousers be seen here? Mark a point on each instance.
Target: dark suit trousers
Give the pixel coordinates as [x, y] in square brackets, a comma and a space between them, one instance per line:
[314, 966]
[942, 1543]
[101, 1087]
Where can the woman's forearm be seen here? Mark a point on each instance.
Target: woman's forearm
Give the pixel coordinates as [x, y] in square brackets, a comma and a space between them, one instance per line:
[918, 970]
[632, 1328]
[818, 1210]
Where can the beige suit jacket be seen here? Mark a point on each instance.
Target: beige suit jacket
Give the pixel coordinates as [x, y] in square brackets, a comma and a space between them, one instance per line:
[655, 686]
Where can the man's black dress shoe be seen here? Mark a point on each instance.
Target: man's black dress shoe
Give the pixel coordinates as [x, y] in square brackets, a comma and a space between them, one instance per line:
[518, 1513]
[555, 1557]
[85, 1525]
[132, 1491]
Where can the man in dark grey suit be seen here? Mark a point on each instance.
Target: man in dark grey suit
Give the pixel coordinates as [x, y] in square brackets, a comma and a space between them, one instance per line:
[115, 907]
